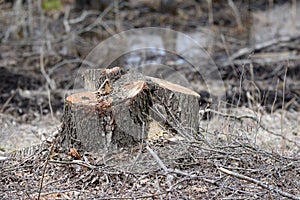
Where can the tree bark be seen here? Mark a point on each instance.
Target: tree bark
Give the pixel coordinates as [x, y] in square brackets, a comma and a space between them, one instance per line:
[118, 113]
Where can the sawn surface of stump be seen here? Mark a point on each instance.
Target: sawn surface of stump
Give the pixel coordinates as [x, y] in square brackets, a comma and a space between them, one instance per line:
[119, 112]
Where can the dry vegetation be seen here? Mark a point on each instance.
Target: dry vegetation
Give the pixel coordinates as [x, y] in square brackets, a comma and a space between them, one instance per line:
[248, 145]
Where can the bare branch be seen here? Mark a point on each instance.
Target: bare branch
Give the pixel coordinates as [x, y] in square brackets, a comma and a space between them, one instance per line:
[261, 184]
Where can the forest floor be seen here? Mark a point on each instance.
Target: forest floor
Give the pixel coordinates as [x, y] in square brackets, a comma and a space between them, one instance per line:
[248, 146]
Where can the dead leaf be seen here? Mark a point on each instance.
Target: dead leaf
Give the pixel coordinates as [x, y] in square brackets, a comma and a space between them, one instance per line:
[74, 153]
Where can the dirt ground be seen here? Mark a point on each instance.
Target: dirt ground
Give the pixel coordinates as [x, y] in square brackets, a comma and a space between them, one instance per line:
[248, 144]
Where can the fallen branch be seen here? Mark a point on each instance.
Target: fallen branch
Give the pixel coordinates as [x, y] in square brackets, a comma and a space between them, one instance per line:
[261, 61]
[259, 183]
[257, 47]
[74, 162]
[158, 160]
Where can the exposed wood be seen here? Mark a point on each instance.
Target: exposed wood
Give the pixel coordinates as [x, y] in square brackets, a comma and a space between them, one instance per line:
[120, 111]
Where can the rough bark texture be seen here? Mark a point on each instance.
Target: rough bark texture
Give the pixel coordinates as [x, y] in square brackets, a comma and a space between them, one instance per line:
[93, 78]
[120, 114]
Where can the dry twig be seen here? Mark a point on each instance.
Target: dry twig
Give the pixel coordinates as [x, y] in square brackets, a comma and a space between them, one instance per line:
[259, 183]
[260, 46]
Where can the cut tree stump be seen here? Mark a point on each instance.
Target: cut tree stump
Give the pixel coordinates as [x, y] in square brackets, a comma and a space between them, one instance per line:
[118, 107]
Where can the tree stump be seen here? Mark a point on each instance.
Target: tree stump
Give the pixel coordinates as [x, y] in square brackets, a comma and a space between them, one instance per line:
[118, 107]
